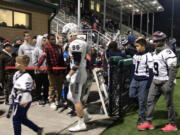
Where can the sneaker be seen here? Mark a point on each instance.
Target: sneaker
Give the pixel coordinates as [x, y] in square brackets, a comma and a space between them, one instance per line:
[169, 128]
[72, 113]
[78, 127]
[140, 121]
[40, 131]
[87, 116]
[59, 104]
[145, 126]
[53, 106]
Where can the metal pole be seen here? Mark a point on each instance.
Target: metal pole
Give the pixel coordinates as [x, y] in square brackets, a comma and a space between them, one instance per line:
[147, 24]
[79, 12]
[121, 17]
[132, 24]
[129, 20]
[60, 2]
[153, 23]
[104, 21]
[57, 28]
[172, 20]
[141, 21]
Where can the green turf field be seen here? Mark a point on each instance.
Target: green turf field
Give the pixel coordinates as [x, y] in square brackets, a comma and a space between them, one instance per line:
[128, 125]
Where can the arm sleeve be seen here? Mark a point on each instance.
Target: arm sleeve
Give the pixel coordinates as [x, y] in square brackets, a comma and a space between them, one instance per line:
[170, 58]
[172, 75]
[150, 61]
[171, 61]
[35, 57]
[134, 60]
[20, 51]
[41, 60]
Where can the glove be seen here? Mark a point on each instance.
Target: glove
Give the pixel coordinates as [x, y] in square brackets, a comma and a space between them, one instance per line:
[68, 78]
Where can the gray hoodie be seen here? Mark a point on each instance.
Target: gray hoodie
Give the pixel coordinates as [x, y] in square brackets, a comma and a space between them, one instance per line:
[38, 51]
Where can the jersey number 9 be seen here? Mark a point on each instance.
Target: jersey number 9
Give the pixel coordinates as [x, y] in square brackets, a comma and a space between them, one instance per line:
[156, 66]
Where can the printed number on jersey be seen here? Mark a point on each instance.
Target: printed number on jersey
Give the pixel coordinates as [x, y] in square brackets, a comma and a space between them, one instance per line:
[156, 66]
[137, 68]
[75, 47]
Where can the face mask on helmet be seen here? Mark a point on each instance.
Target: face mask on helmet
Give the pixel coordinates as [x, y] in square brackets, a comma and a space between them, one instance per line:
[68, 29]
[71, 34]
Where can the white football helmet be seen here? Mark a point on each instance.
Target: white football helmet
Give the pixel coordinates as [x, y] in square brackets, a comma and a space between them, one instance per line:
[70, 30]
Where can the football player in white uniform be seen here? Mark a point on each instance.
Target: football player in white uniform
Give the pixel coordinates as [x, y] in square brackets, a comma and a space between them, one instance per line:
[77, 76]
[165, 69]
[21, 97]
[143, 64]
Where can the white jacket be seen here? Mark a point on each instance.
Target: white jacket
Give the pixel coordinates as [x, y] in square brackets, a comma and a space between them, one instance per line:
[37, 52]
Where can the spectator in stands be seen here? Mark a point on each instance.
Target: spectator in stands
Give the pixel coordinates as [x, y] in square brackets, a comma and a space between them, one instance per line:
[113, 50]
[6, 76]
[93, 56]
[85, 26]
[54, 57]
[116, 27]
[92, 19]
[130, 48]
[96, 25]
[16, 46]
[41, 77]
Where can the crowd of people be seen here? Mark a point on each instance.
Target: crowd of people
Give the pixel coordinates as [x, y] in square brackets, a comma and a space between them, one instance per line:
[46, 56]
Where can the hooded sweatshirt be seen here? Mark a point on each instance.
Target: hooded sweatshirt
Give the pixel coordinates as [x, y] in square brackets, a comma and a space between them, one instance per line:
[37, 52]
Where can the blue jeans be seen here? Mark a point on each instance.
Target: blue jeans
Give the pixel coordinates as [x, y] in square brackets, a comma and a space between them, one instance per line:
[20, 117]
[138, 89]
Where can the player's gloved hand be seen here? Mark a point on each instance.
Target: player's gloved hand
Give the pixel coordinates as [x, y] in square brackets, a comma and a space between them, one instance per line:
[68, 78]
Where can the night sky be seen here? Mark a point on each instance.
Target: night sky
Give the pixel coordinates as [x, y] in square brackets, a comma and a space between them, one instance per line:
[163, 19]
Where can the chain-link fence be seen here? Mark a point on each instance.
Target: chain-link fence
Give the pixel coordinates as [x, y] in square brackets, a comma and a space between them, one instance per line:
[119, 81]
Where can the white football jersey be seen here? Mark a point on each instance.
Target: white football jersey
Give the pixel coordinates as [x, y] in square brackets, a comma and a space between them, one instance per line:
[162, 61]
[78, 46]
[142, 64]
[24, 83]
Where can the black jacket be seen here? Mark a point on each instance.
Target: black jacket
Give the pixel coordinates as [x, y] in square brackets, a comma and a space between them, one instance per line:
[5, 60]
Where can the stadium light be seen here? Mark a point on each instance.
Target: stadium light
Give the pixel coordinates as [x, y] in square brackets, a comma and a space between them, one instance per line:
[154, 2]
[130, 6]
